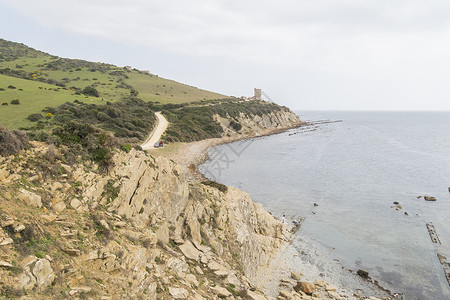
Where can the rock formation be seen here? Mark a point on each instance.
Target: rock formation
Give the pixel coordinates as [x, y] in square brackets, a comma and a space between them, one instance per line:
[132, 233]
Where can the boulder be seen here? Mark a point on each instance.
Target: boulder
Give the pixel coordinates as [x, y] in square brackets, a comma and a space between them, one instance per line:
[76, 204]
[199, 270]
[4, 264]
[319, 283]
[58, 205]
[221, 273]
[286, 294]
[55, 186]
[192, 280]
[26, 280]
[19, 228]
[305, 287]
[7, 222]
[330, 288]
[30, 198]
[334, 295]
[221, 292]
[43, 272]
[178, 293]
[296, 276]
[233, 279]
[48, 218]
[6, 241]
[214, 266]
[72, 252]
[429, 198]
[194, 229]
[189, 250]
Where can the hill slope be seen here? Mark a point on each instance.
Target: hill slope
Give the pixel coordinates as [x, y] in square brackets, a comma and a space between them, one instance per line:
[70, 77]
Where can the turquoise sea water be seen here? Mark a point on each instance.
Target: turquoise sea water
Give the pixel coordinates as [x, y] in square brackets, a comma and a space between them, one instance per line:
[354, 170]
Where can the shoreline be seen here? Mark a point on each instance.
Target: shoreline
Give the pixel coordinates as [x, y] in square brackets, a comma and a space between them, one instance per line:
[192, 155]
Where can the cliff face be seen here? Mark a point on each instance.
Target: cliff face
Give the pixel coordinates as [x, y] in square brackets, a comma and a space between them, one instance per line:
[155, 193]
[142, 231]
[253, 124]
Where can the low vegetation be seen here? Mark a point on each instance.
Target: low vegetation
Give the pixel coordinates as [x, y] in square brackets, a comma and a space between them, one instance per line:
[11, 142]
[38, 80]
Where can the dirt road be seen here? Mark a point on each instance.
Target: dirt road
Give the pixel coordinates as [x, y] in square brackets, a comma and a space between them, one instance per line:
[156, 133]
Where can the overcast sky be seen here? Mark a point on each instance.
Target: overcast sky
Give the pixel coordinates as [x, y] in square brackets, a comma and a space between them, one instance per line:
[315, 54]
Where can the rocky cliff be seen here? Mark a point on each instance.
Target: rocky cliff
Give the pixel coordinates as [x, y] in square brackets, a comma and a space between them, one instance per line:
[142, 231]
[253, 124]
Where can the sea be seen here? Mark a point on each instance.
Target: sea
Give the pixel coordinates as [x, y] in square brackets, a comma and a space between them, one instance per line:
[356, 180]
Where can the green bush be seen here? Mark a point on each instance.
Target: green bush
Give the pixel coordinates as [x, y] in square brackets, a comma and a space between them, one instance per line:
[88, 141]
[90, 91]
[15, 102]
[131, 119]
[235, 125]
[35, 117]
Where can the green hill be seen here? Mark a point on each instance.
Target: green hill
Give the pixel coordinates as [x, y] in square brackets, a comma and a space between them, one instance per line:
[38, 80]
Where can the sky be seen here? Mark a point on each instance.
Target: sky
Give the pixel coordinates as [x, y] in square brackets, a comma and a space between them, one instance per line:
[308, 55]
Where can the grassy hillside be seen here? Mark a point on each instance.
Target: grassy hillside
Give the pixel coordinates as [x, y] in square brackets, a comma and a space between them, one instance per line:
[153, 88]
[43, 80]
[33, 97]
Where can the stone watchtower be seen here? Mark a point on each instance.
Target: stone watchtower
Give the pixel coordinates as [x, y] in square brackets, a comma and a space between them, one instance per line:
[257, 95]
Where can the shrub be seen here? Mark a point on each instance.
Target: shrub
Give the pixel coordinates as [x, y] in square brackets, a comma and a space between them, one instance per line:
[221, 187]
[89, 140]
[11, 87]
[12, 142]
[126, 148]
[235, 125]
[15, 102]
[90, 91]
[35, 117]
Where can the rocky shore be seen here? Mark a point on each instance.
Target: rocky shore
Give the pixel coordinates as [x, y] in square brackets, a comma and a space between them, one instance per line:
[148, 229]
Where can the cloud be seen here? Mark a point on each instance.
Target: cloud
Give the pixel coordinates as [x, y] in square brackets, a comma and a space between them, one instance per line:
[375, 44]
[314, 34]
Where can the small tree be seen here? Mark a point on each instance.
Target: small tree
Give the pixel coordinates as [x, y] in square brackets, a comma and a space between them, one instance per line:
[90, 91]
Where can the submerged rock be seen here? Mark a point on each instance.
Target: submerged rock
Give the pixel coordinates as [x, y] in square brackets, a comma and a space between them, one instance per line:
[363, 274]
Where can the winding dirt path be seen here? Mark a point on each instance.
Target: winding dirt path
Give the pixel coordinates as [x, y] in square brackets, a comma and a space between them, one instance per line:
[156, 133]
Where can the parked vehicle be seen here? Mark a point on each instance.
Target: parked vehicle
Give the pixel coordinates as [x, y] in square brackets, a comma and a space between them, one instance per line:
[159, 145]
